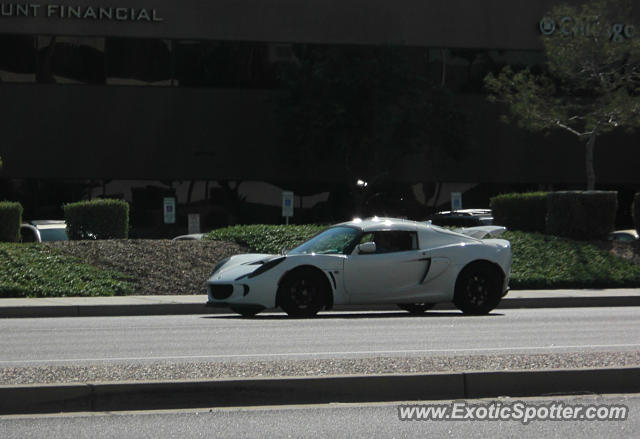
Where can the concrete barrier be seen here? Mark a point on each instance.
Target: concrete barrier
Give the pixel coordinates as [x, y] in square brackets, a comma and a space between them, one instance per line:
[313, 390]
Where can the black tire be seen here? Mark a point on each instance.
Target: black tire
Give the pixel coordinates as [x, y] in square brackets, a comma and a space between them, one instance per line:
[246, 310]
[303, 293]
[478, 288]
[416, 308]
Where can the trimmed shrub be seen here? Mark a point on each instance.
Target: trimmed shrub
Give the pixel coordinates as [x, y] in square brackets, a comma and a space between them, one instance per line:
[635, 211]
[10, 220]
[543, 261]
[526, 211]
[97, 219]
[581, 214]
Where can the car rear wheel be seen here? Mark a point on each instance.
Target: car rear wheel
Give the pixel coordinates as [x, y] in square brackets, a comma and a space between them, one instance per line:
[247, 310]
[478, 288]
[303, 293]
[416, 308]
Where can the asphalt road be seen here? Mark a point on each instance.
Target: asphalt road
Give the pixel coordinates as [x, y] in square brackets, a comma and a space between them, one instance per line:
[59, 341]
[348, 421]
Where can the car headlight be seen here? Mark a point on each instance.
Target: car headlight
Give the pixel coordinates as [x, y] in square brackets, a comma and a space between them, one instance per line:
[265, 267]
[219, 265]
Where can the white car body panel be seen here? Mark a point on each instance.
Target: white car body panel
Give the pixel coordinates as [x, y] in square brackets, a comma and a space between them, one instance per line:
[372, 278]
[426, 274]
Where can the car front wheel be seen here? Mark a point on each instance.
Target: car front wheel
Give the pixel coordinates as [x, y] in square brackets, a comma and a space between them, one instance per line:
[478, 288]
[303, 293]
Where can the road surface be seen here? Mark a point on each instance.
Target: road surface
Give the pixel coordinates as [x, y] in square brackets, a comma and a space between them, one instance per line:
[225, 338]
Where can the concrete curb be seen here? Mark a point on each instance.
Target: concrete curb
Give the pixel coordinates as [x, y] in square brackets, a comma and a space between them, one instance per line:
[105, 310]
[313, 390]
[569, 302]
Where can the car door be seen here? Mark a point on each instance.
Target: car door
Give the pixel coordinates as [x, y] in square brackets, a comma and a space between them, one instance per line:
[395, 269]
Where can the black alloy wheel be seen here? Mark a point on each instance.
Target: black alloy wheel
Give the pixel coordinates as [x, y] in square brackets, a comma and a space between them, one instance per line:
[303, 293]
[478, 289]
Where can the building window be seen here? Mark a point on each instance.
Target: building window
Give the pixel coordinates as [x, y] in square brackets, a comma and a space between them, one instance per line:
[18, 59]
[464, 70]
[223, 64]
[138, 62]
[70, 60]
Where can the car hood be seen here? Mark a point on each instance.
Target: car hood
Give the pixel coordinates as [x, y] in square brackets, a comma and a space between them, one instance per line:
[240, 265]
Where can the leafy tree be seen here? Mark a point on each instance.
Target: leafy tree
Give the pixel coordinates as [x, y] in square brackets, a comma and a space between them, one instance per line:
[591, 85]
[363, 109]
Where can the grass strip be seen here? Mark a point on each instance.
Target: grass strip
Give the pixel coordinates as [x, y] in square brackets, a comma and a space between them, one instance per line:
[34, 270]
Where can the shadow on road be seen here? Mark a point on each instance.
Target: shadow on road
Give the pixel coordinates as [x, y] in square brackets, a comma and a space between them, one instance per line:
[351, 315]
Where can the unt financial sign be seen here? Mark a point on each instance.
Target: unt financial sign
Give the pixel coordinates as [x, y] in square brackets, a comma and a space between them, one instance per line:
[70, 12]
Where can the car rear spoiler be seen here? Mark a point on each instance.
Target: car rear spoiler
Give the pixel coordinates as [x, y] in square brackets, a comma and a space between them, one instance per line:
[481, 232]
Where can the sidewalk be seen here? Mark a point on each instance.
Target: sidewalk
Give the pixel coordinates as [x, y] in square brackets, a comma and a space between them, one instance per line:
[195, 304]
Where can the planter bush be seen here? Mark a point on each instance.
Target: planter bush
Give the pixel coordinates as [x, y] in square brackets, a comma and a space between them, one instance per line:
[97, 219]
[525, 212]
[543, 261]
[10, 220]
[581, 214]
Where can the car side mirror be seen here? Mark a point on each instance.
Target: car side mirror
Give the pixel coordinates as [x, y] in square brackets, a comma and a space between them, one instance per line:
[367, 247]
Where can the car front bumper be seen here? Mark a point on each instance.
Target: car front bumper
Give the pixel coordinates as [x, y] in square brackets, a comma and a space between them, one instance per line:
[225, 294]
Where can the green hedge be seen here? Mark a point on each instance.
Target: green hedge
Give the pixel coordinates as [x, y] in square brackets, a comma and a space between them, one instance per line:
[581, 215]
[526, 211]
[37, 270]
[263, 238]
[542, 261]
[635, 211]
[97, 219]
[10, 220]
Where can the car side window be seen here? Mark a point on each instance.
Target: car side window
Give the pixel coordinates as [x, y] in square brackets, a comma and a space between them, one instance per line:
[367, 237]
[395, 241]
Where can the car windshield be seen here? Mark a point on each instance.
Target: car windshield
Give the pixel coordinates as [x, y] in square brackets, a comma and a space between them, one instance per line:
[336, 240]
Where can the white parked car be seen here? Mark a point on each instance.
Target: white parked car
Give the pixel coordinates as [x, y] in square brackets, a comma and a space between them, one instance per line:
[44, 230]
[377, 260]
[190, 237]
[628, 235]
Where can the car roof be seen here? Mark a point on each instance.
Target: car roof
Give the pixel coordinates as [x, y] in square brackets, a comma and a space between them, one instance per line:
[632, 232]
[465, 212]
[385, 223]
[48, 224]
[189, 237]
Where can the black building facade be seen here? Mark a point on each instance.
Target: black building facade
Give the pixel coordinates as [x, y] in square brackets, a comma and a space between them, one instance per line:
[165, 90]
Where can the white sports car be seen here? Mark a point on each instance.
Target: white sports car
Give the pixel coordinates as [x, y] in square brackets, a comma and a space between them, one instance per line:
[378, 260]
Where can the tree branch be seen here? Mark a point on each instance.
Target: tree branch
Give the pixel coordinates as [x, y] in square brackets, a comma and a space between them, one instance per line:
[568, 128]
